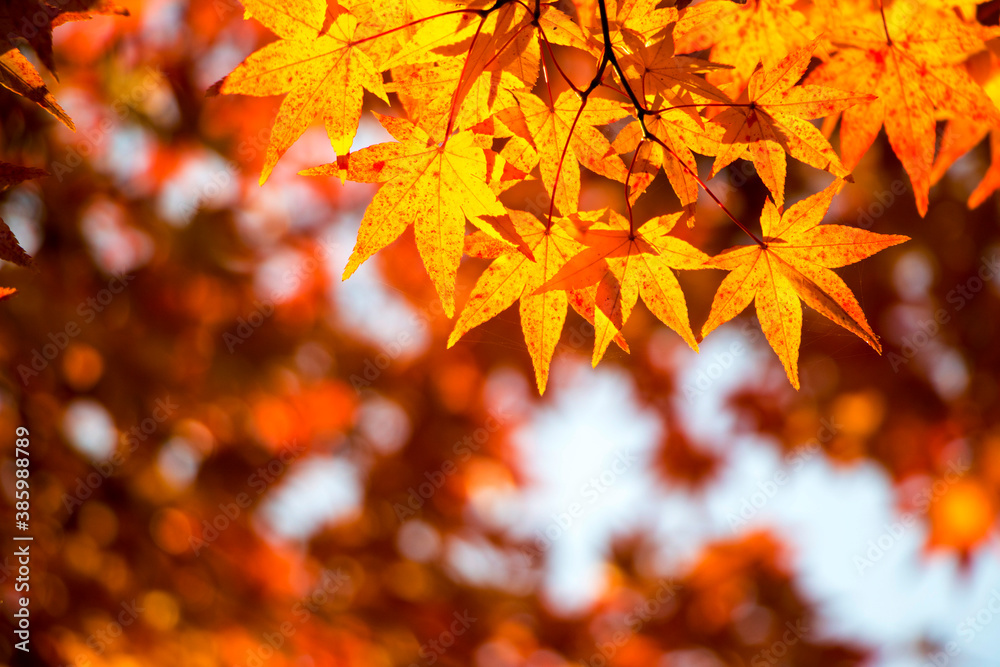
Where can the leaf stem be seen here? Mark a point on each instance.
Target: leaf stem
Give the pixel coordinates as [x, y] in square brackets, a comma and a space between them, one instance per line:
[628, 176]
[552, 56]
[455, 102]
[562, 158]
[885, 24]
[410, 24]
[641, 113]
[609, 56]
[694, 174]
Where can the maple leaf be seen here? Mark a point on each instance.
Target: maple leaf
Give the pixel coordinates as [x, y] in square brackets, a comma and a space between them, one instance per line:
[741, 35]
[508, 39]
[962, 134]
[318, 72]
[584, 302]
[990, 182]
[512, 276]
[625, 265]
[912, 62]
[433, 187]
[635, 22]
[10, 249]
[679, 132]
[477, 61]
[771, 118]
[31, 21]
[465, 73]
[12, 174]
[565, 136]
[660, 71]
[421, 30]
[17, 74]
[419, 89]
[794, 265]
[35, 28]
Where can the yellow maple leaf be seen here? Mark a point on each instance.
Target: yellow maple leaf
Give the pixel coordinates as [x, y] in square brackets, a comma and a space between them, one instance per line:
[433, 187]
[794, 264]
[771, 118]
[319, 74]
[512, 276]
[627, 264]
[912, 60]
[565, 135]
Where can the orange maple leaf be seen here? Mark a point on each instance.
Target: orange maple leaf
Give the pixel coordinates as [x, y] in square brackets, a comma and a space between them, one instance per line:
[319, 72]
[465, 75]
[434, 187]
[794, 264]
[741, 35]
[419, 89]
[771, 118]
[911, 58]
[20, 76]
[679, 133]
[625, 265]
[635, 22]
[565, 135]
[508, 39]
[512, 276]
[962, 135]
[656, 67]
[16, 72]
[474, 61]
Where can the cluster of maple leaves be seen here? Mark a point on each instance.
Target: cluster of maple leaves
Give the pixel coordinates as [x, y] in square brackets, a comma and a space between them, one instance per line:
[467, 78]
[31, 22]
[472, 85]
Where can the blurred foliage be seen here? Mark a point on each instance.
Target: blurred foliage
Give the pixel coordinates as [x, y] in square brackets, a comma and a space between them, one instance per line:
[153, 237]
